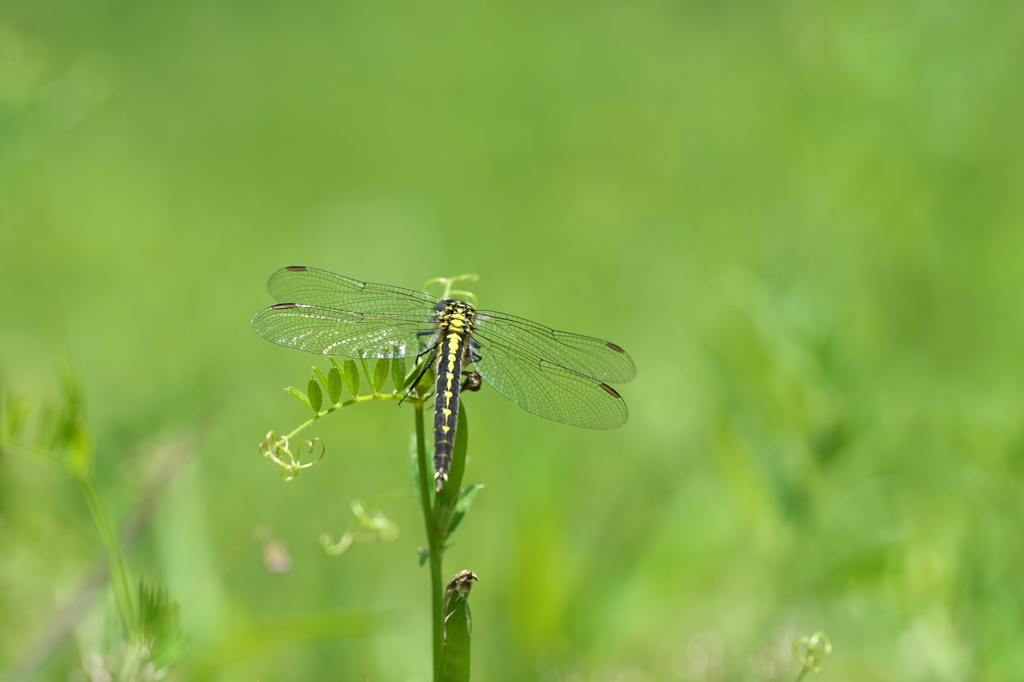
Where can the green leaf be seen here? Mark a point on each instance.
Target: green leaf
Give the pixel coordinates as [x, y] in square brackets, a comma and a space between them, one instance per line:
[426, 383]
[365, 365]
[334, 385]
[380, 374]
[316, 395]
[462, 506]
[320, 375]
[398, 373]
[300, 395]
[351, 376]
[457, 628]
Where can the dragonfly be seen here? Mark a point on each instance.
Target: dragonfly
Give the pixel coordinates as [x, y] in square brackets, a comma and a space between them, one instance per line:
[553, 374]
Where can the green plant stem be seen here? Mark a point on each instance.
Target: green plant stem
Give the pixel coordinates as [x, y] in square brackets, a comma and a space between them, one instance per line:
[433, 541]
[345, 403]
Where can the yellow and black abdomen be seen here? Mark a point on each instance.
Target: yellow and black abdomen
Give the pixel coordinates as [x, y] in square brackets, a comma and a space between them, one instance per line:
[456, 321]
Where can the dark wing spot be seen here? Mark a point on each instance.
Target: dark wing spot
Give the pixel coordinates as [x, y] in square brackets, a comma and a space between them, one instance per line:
[296, 268]
[611, 390]
[284, 306]
[614, 347]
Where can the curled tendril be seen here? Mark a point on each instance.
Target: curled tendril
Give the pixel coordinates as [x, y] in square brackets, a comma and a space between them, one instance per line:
[811, 650]
[338, 548]
[379, 526]
[449, 282]
[277, 449]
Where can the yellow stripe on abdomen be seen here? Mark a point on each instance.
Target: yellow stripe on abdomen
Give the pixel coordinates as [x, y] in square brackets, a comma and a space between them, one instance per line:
[446, 404]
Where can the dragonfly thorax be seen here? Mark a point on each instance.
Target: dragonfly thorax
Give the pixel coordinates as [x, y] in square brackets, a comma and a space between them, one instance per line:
[455, 317]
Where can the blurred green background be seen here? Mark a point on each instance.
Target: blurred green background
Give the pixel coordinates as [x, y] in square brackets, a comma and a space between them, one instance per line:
[802, 219]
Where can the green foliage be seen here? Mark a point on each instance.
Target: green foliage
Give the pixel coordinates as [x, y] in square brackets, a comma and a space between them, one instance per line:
[801, 219]
[811, 650]
[462, 505]
[368, 524]
[148, 642]
[303, 397]
[380, 374]
[350, 372]
[158, 623]
[442, 512]
[278, 449]
[458, 629]
[398, 374]
[315, 395]
[334, 385]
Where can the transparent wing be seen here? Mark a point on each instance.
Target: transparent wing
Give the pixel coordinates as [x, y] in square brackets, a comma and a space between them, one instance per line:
[580, 354]
[547, 389]
[300, 284]
[553, 374]
[317, 329]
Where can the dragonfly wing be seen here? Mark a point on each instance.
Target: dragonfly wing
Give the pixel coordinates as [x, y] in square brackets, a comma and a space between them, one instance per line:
[550, 390]
[300, 284]
[581, 354]
[316, 329]
[553, 374]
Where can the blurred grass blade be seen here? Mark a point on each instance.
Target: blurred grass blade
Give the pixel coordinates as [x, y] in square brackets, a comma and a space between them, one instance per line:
[158, 622]
[13, 415]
